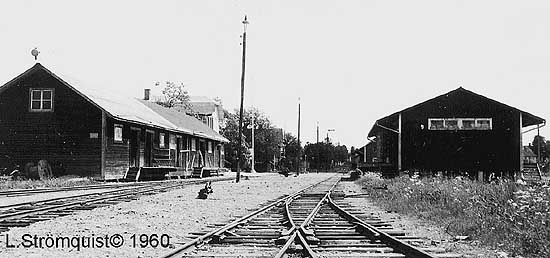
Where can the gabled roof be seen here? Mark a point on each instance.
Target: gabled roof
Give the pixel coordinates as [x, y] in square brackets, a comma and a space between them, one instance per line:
[202, 105]
[182, 120]
[128, 109]
[528, 118]
[527, 152]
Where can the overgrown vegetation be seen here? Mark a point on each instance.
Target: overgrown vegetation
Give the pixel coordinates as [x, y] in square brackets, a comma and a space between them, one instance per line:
[511, 217]
[65, 181]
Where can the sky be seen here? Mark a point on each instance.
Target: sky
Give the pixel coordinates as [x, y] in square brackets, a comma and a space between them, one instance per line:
[350, 62]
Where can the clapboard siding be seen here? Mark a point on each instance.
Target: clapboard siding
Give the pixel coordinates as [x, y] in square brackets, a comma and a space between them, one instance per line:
[62, 136]
[117, 154]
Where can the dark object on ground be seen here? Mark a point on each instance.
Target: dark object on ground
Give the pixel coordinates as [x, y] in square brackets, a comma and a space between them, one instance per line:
[285, 172]
[203, 193]
[355, 174]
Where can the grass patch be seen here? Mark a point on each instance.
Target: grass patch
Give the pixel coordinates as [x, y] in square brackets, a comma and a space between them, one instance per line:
[64, 181]
[507, 216]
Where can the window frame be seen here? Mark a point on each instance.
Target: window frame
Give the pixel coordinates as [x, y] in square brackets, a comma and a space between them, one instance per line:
[193, 144]
[460, 124]
[435, 119]
[162, 140]
[41, 90]
[210, 149]
[115, 127]
[490, 120]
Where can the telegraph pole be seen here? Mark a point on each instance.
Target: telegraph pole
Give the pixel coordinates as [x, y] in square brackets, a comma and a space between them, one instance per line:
[299, 144]
[317, 131]
[239, 147]
[317, 148]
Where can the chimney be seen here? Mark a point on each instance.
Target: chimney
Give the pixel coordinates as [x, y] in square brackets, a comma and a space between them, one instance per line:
[147, 93]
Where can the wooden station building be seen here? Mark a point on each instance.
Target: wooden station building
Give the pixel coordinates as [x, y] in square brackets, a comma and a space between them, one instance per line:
[459, 131]
[96, 133]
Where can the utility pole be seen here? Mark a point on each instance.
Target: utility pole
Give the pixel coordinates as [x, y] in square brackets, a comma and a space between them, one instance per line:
[318, 152]
[299, 144]
[317, 131]
[328, 139]
[239, 147]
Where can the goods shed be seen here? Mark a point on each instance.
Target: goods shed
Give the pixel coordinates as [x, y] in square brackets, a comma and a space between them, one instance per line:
[459, 131]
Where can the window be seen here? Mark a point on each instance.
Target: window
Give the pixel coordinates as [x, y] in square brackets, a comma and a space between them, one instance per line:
[436, 124]
[118, 133]
[41, 100]
[193, 145]
[460, 123]
[468, 124]
[484, 124]
[172, 142]
[451, 124]
[161, 140]
[209, 147]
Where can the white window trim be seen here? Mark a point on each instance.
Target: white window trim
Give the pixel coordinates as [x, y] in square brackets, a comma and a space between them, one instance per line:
[162, 140]
[460, 124]
[435, 119]
[41, 90]
[209, 147]
[115, 127]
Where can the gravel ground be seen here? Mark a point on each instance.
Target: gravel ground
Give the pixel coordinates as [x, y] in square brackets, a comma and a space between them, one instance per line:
[176, 214]
[436, 236]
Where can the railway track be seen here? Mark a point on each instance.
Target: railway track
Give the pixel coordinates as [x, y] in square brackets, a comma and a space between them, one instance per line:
[26, 192]
[25, 213]
[313, 222]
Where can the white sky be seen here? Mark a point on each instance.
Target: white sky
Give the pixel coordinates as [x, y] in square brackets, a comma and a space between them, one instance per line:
[351, 62]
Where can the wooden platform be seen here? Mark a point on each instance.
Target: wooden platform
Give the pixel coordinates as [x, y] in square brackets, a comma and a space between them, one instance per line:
[200, 172]
[148, 173]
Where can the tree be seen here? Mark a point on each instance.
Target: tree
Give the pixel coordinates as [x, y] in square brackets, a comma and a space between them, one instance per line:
[291, 152]
[544, 147]
[324, 155]
[267, 139]
[174, 94]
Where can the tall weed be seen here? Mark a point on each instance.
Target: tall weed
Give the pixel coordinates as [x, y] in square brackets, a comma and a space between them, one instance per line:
[511, 217]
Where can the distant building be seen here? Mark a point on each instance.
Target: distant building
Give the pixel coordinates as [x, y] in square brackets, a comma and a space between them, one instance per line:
[529, 157]
[205, 109]
[208, 111]
[459, 131]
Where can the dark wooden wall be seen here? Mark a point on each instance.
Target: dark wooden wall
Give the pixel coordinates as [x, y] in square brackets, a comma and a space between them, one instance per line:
[495, 150]
[62, 137]
[117, 154]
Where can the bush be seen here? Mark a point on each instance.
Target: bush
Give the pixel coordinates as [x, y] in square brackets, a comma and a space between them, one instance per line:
[511, 217]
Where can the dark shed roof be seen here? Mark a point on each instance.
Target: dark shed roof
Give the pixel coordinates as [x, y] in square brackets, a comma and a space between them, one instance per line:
[528, 118]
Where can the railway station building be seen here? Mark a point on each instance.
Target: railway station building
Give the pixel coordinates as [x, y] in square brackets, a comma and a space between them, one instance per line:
[89, 132]
[457, 132]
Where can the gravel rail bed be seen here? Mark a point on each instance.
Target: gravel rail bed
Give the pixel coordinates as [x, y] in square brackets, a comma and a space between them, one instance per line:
[176, 213]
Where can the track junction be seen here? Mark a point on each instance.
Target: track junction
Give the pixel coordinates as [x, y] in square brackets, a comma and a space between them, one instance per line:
[313, 222]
